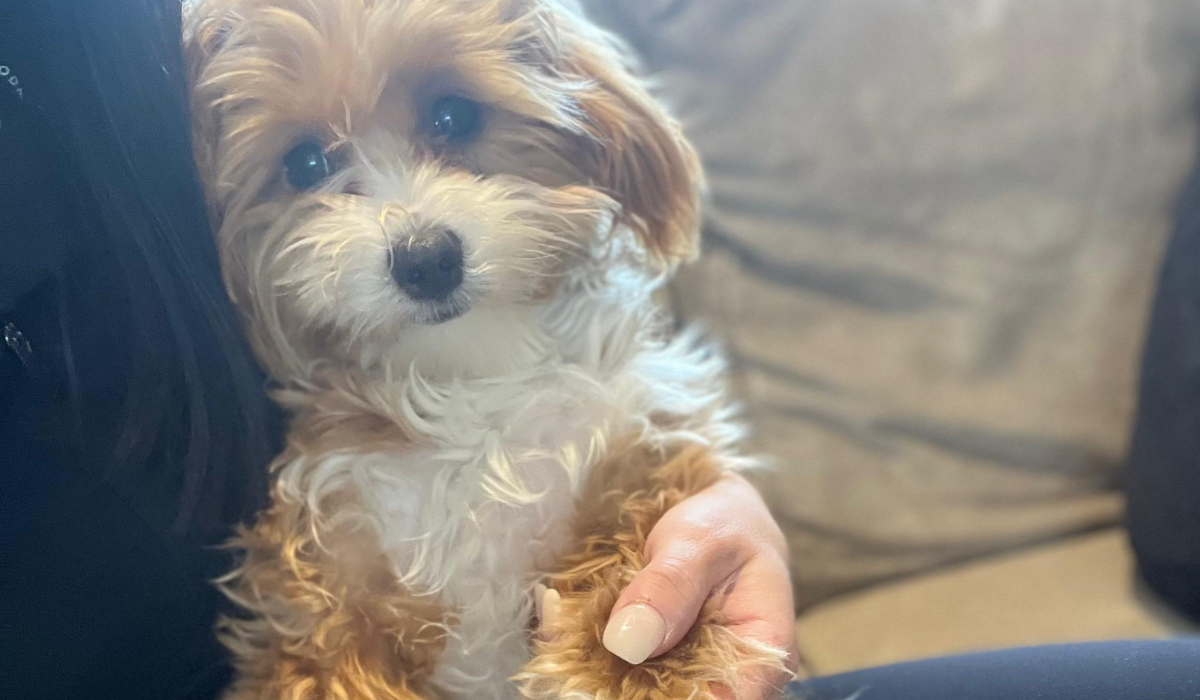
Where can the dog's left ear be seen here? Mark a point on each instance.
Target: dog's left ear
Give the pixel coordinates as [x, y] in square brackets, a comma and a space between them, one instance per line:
[629, 146]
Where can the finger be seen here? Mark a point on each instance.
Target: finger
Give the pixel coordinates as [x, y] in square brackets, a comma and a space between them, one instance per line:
[766, 681]
[759, 607]
[664, 599]
[757, 683]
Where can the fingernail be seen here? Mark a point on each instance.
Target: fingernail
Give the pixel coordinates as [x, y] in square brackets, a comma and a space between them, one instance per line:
[634, 633]
[551, 609]
[539, 593]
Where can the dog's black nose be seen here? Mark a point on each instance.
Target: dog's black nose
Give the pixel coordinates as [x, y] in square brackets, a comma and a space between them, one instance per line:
[429, 267]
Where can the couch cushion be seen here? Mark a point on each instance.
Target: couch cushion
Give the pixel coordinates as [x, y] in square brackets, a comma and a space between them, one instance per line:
[932, 243]
[1078, 590]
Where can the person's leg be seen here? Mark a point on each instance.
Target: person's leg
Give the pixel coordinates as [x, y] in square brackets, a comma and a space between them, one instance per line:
[1162, 483]
[1152, 670]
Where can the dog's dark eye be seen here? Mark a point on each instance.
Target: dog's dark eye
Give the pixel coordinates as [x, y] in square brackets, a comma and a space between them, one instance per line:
[306, 166]
[456, 118]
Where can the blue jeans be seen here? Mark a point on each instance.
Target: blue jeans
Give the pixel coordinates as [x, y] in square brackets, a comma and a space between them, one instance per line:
[1151, 670]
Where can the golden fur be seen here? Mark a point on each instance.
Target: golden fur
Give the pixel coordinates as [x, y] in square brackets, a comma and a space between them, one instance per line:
[578, 175]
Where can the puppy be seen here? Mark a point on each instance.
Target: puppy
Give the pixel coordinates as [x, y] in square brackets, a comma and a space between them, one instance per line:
[445, 222]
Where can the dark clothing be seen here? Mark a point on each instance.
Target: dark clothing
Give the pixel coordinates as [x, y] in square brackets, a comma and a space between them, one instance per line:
[1168, 670]
[95, 601]
[1163, 479]
[98, 599]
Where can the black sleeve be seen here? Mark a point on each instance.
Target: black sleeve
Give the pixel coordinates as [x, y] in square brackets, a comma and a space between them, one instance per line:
[96, 601]
[36, 190]
[1163, 479]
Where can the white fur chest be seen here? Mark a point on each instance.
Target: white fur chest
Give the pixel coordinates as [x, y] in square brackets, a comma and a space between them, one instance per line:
[478, 516]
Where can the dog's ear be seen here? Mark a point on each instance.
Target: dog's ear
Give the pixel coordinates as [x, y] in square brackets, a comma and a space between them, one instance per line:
[207, 24]
[628, 146]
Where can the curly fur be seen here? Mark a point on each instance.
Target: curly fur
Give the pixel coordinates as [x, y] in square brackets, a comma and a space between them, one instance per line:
[435, 472]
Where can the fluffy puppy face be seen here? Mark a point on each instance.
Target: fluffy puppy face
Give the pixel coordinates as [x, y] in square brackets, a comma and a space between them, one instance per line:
[391, 176]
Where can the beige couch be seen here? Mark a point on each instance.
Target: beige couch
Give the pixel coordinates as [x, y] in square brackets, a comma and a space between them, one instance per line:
[932, 242]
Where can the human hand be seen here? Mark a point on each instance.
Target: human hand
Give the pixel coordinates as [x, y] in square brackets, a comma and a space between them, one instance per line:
[721, 539]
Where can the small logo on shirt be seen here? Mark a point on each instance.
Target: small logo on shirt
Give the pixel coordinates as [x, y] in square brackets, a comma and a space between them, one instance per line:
[9, 78]
[14, 83]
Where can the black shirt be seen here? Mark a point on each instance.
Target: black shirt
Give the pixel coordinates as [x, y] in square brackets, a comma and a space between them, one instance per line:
[98, 599]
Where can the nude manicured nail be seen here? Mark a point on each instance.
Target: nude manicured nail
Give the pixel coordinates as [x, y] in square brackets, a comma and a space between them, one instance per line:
[551, 609]
[634, 633]
[539, 594]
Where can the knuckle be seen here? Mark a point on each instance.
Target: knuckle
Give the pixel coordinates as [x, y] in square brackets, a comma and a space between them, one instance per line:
[677, 577]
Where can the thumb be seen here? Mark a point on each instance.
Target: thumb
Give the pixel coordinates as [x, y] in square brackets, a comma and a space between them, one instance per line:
[664, 599]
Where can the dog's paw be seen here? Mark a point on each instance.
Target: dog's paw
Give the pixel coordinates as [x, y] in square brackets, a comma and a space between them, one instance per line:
[571, 662]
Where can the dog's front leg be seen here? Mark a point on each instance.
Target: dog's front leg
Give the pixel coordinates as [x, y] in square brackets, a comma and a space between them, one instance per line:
[324, 620]
[627, 496]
